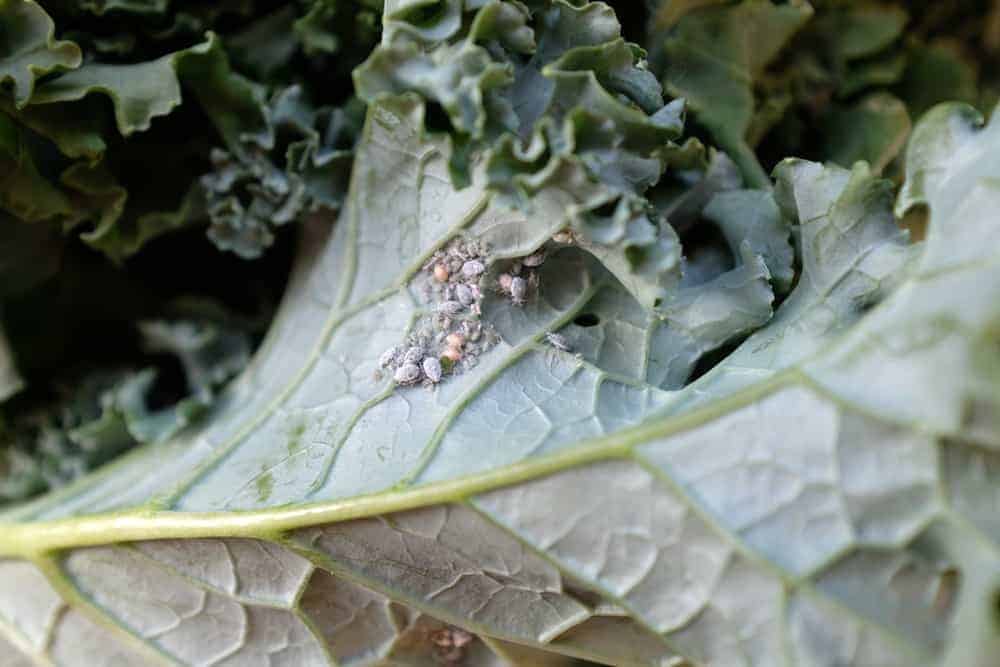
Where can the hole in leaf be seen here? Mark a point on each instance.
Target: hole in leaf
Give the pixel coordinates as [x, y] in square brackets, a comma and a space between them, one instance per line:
[915, 222]
[170, 385]
[605, 210]
[436, 118]
[711, 359]
[635, 255]
[424, 15]
[587, 320]
[706, 253]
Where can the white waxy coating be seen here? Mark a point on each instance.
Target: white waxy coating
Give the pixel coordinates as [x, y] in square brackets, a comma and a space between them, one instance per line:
[407, 374]
[558, 341]
[518, 289]
[534, 259]
[388, 357]
[450, 307]
[473, 268]
[413, 355]
[465, 295]
[432, 369]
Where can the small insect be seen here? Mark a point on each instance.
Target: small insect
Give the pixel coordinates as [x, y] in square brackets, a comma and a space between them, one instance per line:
[472, 330]
[518, 290]
[465, 295]
[388, 357]
[455, 340]
[564, 236]
[450, 307]
[407, 374]
[503, 282]
[450, 645]
[432, 369]
[558, 341]
[534, 259]
[441, 273]
[473, 268]
[413, 355]
[452, 354]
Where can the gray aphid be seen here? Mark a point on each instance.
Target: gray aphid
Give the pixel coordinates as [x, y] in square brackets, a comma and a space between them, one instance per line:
[465, 295]
[407, 374]
[559, 342]
[432, 369]
[413, 355]
[388, 357]
[472, 330]
[473, 268]
[518, 289]
[450, 307]
[534, 259]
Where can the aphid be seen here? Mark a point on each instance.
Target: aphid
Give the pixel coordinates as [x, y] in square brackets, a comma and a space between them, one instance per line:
[450, 307]
[472, 330]
[503, 282]
[518, 289]
[558, 341]
[413, 355]
[441, 273]
[432, 369]
[473, 268]
[407, 374]
[455, 340]
[534, 259]
[465, 295]
[388, 357]
[452, 354]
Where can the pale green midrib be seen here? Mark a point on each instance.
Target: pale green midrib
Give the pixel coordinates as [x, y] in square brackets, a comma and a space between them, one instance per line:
[149, 523]
[35, 539]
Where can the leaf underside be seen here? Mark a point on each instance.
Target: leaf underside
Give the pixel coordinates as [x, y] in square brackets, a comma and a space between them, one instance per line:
[825, 495]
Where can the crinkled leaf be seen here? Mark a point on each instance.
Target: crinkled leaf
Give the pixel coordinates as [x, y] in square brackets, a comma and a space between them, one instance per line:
[47, 444]
[76, 129]
[824, 495]
[266, 183]
[937, 73]
[874, 131]
[29, 50]
[139, 92]
[793, 510]
[558, 102]
[712, 57]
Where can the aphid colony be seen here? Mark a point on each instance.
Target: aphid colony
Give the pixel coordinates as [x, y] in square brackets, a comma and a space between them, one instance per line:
[520, 278]
[451, 336]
